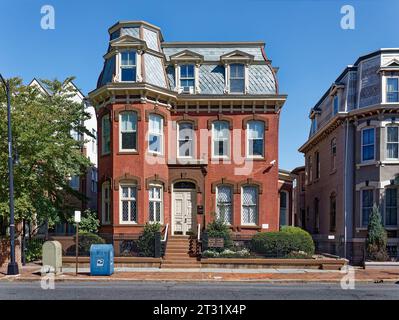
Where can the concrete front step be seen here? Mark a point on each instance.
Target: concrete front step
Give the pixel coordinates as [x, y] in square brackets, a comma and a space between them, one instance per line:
[180, 261]
[180, 266]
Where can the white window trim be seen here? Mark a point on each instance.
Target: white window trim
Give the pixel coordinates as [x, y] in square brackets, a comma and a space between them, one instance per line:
[103, 119]
[118, 66]
[193, 141]
[229, 223]
[361, 145]
[160, 135]
[120, 132]
[385, 207]
[105, 203]
[156, 200]
[242, 206]
[385, 88]
[178, 87]
[228, 76]
[361, 204]
[130, 185]
[386, 142]
[214, 155]
[247, 155]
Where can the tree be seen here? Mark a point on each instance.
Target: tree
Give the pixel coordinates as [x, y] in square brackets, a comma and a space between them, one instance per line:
[376, 241]
[89, 222]
[46, 153]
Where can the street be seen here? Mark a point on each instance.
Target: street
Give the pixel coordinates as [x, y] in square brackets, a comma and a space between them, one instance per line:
[194, 291]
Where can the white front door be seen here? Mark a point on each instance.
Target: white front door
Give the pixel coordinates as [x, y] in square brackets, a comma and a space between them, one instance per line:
[184, 211]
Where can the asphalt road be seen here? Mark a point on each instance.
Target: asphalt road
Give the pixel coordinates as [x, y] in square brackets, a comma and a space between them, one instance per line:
[194, 291]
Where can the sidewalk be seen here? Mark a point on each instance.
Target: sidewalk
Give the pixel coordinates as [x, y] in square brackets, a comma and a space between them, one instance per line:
[32, 273]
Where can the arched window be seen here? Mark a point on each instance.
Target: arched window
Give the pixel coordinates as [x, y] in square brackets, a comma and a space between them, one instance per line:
[224, 203]
[128, 131]
[255, 138]
[184, 185]
[106, 203]
[105, 135]
[333, 211]
[249, 205]
[220, 139]
[185, 140]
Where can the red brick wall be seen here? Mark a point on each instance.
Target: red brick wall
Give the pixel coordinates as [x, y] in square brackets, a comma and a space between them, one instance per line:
[117, 165]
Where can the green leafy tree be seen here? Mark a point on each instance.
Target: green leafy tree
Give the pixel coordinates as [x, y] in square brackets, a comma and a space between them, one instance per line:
[89, 223]
[376, 241]
[46, 153]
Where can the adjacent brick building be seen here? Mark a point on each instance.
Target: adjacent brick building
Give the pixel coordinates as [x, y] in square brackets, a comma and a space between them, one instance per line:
[187, 131]
[352, 157]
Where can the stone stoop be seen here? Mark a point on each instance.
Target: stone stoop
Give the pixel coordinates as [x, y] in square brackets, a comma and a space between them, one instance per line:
[177, 254]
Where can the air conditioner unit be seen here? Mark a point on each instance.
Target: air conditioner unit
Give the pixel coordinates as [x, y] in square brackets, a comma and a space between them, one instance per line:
[188, 90]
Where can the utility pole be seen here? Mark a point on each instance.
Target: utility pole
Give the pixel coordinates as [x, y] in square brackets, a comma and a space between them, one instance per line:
[12, 268]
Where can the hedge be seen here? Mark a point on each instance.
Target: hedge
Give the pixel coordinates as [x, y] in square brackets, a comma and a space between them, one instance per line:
[282, 244]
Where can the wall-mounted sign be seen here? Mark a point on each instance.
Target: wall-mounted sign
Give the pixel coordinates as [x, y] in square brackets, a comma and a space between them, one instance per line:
[215, 242]
[200, 209]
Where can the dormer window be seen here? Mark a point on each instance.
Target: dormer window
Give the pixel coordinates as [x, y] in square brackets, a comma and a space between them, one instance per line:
[128, 66]
[392, 89]
[237, 78]
[313, 127]
[187, 77]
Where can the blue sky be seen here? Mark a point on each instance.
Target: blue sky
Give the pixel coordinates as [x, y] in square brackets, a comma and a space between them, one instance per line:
[303, 38]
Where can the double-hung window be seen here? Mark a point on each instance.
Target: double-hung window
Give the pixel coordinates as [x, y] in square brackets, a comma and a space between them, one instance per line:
[128, 131]
[237, 78]
[220, 139]
[249, 210]
[128, 66]
[392, 90]
[187, 76]
[392, 142]
[185, 140]
[283, 208]
[224, 203]
[368, 144]
[255, 139]
[391, 206]
[335, 104]
[155, 134]
[128, 205]
[106, 203]
[155, 204]
[105, 135]
[333, 153]
[367, 200]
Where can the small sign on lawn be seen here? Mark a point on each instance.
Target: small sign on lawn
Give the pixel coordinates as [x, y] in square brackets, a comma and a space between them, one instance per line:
[215, 242]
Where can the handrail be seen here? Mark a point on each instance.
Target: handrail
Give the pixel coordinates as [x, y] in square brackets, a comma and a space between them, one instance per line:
[199, 232]
[165, 237]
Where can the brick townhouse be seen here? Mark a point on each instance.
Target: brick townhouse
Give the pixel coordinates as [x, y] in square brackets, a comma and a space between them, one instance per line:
[352, 156]
[188, 131]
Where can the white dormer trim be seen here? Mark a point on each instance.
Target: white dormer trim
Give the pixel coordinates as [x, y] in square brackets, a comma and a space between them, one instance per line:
[187, 56]
[392, 65]
[237, 56]
[127, 41]
[139, 74]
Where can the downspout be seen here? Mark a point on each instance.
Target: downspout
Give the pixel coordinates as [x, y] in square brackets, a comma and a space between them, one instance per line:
[345, 185]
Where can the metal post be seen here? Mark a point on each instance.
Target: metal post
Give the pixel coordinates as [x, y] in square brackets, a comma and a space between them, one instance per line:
[77, 247]
[12, 268]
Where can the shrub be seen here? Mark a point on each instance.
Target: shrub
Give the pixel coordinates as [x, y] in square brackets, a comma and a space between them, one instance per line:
[89, 222]
[219, 229]
[283, 243]
[145, 244]
[33, 250]
[86, 239]
[226, 253]
[376, 242]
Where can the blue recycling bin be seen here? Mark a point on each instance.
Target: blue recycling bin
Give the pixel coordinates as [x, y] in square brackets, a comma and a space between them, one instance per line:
[101, 259]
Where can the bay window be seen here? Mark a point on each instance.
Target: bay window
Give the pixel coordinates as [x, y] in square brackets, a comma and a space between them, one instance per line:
[128, 131]
[155, 134]
[128, 205]
[368, 144]
[392, 142]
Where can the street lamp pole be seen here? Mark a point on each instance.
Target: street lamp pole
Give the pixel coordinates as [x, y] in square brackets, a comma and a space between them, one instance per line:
[12, 268]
